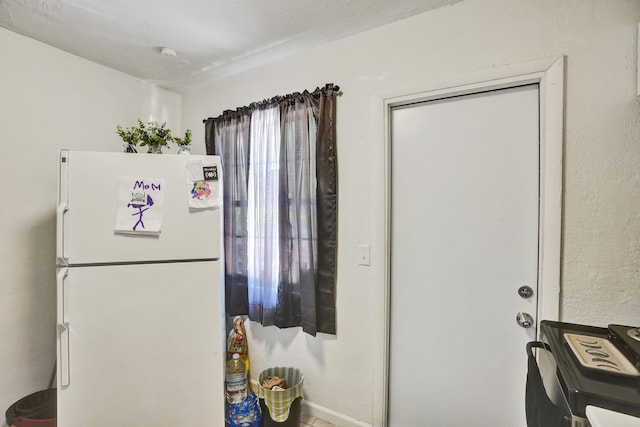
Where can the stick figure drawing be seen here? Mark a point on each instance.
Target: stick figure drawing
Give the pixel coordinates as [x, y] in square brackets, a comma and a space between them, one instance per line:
[141, 203]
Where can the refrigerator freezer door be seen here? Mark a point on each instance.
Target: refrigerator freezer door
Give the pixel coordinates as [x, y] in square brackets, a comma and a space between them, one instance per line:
[145, 345]
[89, 202]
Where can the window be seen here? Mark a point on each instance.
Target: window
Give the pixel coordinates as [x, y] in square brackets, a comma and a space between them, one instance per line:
[280, 197]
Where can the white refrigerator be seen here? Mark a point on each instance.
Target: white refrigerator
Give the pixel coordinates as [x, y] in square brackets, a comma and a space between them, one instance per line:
[140, 301]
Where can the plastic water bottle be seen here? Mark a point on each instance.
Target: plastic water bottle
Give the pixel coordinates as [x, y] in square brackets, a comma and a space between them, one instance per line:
[236, 379]
[244, 414]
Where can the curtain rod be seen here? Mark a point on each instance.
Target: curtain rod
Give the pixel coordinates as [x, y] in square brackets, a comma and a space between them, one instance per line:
[335, 88]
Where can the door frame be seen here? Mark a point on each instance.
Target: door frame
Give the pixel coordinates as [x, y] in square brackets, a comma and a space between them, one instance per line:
[549, 75]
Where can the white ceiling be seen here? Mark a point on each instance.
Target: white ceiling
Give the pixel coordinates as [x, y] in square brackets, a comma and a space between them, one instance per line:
[212, 38]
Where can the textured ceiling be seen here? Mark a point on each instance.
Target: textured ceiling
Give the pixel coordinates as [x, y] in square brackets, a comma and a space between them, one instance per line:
[212, 38]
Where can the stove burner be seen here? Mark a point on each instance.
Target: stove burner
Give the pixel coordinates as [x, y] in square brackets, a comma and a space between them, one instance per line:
[599, 353]
[634, 333]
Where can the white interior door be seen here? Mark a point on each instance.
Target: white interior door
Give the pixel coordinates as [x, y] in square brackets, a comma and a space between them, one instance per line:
[464, 238]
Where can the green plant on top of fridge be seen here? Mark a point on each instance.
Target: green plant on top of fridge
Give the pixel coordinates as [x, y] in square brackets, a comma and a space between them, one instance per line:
[183, 141]
[152, 135]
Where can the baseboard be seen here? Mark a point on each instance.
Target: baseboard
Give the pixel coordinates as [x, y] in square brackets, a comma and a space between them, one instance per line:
[329, 415]
[336, 418]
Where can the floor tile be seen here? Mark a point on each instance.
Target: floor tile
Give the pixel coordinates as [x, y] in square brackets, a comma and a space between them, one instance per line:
[308, 420]
[322, 423]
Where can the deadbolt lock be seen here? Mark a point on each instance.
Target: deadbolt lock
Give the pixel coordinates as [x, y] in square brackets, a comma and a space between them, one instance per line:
[525, 291]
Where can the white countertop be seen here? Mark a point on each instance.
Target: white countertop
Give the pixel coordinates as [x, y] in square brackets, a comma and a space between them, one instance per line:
[599, 417]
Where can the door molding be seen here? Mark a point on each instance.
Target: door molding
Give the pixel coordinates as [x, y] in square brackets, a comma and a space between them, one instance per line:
[549, 75]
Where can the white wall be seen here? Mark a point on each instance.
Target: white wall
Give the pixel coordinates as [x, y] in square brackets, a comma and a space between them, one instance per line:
[49, 100]
[601, 245]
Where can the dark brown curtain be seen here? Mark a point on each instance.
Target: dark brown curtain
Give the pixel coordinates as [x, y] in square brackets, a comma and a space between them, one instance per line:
[231, 131]
[327, 201]
[306, 297]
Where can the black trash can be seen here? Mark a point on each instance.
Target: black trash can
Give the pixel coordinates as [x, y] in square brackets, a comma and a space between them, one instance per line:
[35, 410]
[281, 408]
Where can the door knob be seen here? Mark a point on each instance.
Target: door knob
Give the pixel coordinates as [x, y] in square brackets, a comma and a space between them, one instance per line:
[524, 319]
[525, 291]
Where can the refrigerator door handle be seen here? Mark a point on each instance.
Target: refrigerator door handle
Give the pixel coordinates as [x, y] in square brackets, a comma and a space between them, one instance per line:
[63, 330]
[64, 353]
[62, 208]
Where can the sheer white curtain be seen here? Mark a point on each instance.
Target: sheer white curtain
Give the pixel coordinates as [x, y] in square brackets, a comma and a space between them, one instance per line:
[263, 201]
[282, 220]
[299, 137]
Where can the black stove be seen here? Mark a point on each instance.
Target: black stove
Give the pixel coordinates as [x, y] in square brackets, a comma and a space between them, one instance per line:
[594, 366]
